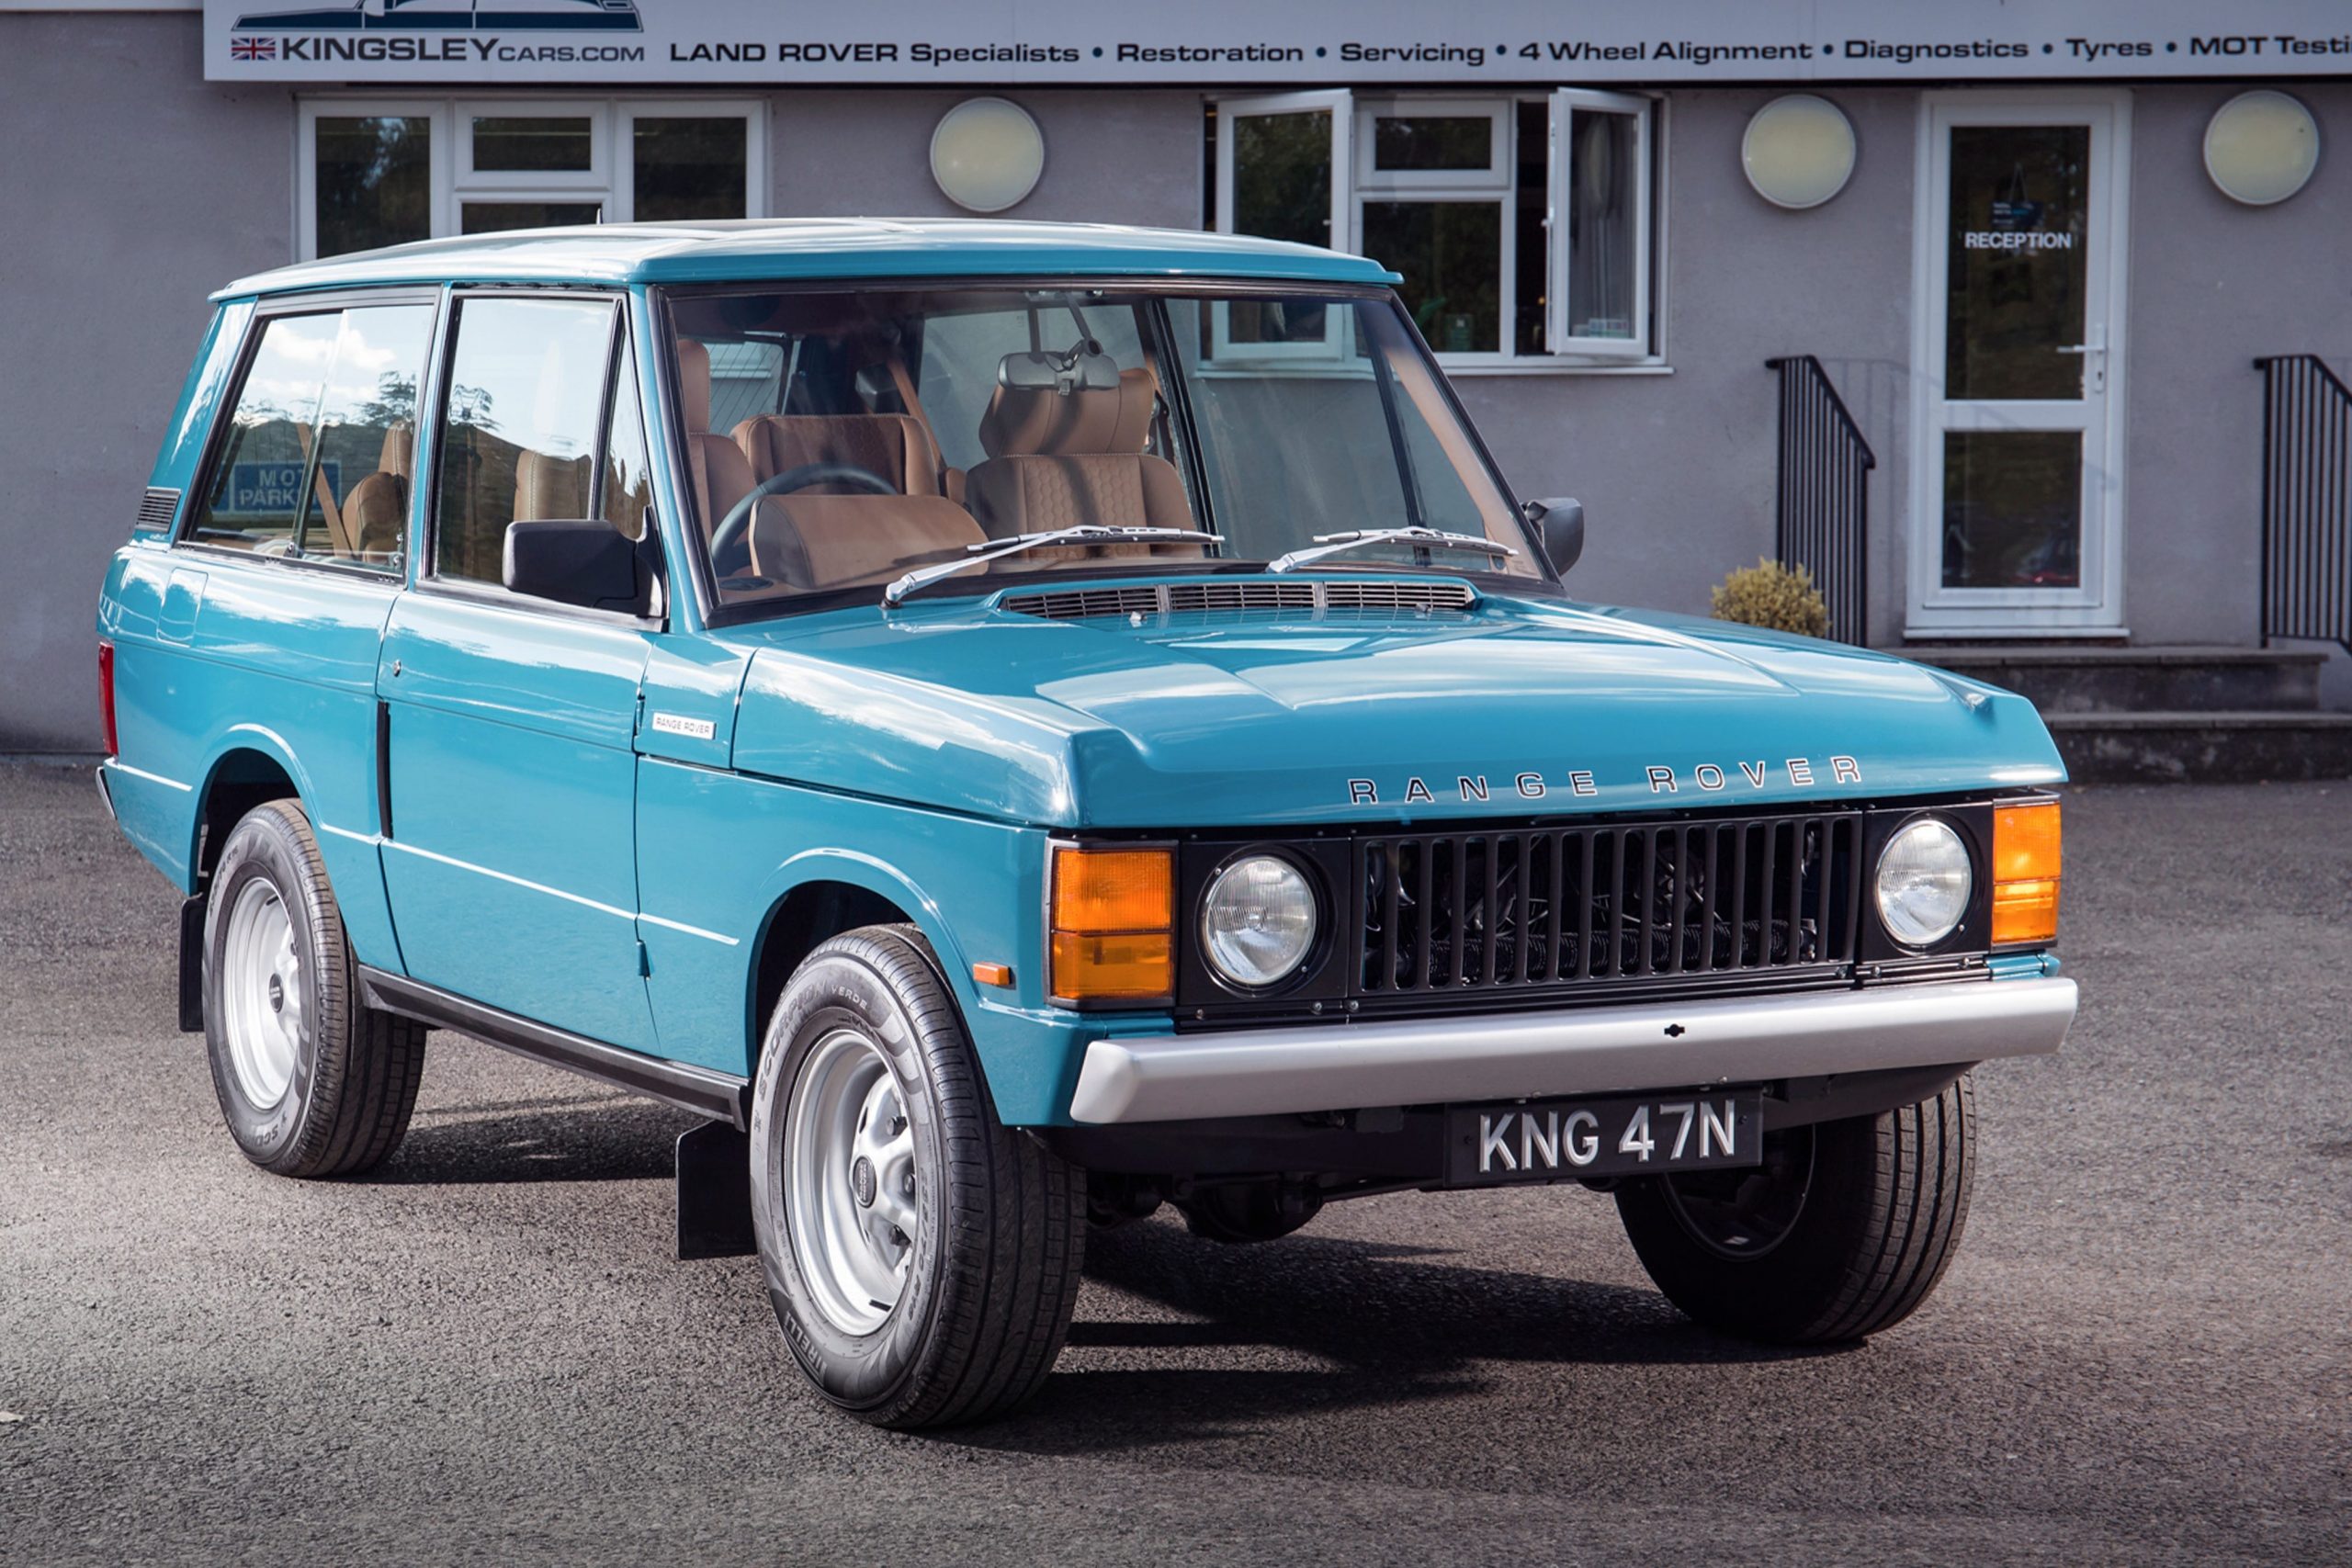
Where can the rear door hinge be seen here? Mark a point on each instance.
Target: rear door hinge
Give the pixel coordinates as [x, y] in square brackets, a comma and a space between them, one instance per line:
[644, 960]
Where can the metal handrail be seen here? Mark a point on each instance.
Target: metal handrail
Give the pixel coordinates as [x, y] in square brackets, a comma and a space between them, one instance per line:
[1822, 509]
[2306, 501]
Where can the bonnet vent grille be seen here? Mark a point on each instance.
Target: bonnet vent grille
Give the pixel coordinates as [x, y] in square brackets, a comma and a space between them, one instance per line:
[1314, 597]
[157, 509]
[1241, 595]
[1396, 595]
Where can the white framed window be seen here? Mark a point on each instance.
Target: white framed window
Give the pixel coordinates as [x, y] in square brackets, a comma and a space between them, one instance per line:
[1525, 226]
[374, 171]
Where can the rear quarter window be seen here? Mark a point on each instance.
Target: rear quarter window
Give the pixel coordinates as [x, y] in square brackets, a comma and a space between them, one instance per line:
[316, 461]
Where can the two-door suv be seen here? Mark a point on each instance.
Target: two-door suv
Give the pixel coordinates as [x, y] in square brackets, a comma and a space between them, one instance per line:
[1017, 724]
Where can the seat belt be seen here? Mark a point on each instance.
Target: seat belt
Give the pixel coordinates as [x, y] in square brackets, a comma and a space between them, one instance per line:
[912, 402]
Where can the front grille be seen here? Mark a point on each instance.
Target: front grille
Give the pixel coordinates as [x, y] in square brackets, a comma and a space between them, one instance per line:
[1568, 907]
[157, 509]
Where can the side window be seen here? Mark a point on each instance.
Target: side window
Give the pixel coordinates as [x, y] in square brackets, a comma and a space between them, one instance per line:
[628, 475]
[318, 455]
[520, 434]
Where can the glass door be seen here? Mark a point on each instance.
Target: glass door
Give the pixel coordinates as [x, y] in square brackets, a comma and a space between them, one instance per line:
[2016, 499]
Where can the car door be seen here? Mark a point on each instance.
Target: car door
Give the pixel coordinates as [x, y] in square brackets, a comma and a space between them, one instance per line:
[509, 844]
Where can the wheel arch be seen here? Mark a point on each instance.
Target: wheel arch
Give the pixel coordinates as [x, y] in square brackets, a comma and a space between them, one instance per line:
[819, 894]
[249, 766]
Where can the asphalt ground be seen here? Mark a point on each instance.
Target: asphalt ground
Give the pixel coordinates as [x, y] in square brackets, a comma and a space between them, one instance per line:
[484, 1353]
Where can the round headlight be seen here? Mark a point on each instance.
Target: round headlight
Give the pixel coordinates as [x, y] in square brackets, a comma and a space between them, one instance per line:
[1924, 881]
[1258, 920]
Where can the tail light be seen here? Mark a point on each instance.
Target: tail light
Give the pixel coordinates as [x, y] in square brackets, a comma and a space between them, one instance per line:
[106, 694]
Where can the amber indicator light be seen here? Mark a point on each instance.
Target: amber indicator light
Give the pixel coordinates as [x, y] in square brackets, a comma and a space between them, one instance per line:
[2025, 873]
[1113, 920]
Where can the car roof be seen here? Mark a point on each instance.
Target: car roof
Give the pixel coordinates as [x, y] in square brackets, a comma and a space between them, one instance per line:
[747, 250]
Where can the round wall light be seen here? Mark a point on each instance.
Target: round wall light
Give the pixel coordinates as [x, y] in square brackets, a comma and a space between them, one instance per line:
[2261, 147]
[1799, 151]
[987, 154]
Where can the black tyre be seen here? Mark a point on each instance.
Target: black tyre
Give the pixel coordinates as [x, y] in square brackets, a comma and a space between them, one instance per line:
[312, 1081]
[922, 1258]
[1844, 1231]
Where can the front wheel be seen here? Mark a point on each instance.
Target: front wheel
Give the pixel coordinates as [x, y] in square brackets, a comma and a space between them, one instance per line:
[922, 1258]
[1844, 1230]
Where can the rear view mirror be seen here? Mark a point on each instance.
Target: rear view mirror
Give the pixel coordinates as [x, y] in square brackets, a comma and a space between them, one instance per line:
[589, 563]
[1084, 368]
[1559, 523]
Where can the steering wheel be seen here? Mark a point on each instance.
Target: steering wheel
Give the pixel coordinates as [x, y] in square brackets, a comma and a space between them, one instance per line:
[730, 546]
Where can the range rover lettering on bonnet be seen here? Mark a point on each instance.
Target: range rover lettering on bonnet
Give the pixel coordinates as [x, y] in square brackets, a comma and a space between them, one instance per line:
[1705, 778]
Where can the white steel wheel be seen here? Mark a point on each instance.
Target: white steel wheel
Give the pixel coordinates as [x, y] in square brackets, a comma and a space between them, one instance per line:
[922, 1257]
[261, 993]
[852, 1185]
[312, 1081]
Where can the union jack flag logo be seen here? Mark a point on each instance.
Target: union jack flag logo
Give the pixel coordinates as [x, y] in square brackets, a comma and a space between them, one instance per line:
[253, 49]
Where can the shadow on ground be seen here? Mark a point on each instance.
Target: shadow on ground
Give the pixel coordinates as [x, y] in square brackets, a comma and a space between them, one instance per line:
[1393, 1324]
[598, 1138]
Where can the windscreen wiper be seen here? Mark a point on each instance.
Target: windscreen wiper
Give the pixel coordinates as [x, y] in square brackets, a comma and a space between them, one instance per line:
[1084, 533]
[1417, 537]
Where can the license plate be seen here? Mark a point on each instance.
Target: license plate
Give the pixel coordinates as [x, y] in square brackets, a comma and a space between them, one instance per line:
[1545, 1140]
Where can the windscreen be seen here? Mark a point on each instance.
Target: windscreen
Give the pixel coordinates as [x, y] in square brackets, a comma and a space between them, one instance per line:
[838, 442]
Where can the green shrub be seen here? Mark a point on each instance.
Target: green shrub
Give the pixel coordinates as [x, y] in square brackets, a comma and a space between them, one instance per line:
[1770, 594]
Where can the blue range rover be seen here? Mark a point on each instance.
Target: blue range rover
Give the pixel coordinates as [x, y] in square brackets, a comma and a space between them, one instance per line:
[1016, 726]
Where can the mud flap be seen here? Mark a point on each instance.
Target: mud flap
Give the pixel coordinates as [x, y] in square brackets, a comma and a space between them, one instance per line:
[192, 963]
[715, 1192]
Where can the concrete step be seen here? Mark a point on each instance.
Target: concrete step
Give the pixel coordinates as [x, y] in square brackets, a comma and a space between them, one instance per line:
[2247, 746]
[2061, 679]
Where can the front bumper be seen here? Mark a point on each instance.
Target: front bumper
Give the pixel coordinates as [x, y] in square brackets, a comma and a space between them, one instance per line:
[1257, 1072]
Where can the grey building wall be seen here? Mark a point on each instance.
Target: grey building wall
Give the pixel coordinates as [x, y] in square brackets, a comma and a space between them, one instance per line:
[131, 190]
[1110, 157]
[2212, 285]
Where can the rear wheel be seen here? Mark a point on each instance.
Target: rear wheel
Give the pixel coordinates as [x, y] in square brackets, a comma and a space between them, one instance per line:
[312, 1081]
[922, 1258]
[1844, 1230]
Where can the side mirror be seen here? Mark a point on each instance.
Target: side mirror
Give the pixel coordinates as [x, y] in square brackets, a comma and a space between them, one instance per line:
[1559, 523]
[589, 563]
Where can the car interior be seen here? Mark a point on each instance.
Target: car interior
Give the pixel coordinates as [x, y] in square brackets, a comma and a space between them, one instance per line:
[838, 468]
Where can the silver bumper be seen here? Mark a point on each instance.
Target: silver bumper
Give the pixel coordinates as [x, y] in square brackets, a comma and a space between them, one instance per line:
[1252, 1072]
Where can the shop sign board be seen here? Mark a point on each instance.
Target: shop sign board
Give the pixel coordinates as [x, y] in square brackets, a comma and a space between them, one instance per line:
[737, 43]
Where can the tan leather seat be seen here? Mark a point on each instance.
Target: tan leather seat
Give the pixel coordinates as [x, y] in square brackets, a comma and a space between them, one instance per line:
[376, 510]
[1057, 460]
[894, 447]
[838, 541]
[549, 488]
[721, 476]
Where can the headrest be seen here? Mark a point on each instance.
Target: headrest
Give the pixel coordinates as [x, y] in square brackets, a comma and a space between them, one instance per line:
[894, 446]
[1022, 422]
[694, 385]
[1139, 395]
[399, 452]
